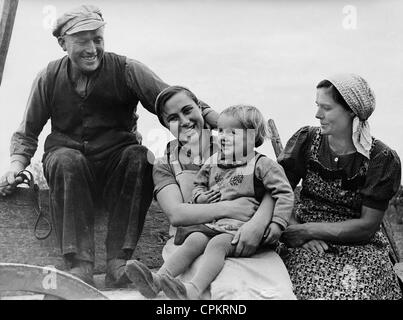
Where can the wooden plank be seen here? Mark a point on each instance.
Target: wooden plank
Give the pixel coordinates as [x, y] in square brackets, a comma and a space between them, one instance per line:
[17, 241]
[398, 267]
[394, 214]
[388, 232]
[18, 244]
[129, 293]
[393, 230]
[8, 11]
[275, 137]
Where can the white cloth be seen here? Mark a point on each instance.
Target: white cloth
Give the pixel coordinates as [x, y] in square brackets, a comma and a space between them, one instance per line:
[260, 277]
[359, 96]
[362, 138]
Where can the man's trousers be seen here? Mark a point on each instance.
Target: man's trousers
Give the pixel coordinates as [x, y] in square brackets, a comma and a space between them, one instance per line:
[122, 184]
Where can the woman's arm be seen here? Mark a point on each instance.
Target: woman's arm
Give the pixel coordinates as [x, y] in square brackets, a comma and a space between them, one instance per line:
[184, 214]
[353, 231]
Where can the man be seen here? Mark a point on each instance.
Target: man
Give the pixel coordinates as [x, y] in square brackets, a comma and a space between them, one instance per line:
[92, 153]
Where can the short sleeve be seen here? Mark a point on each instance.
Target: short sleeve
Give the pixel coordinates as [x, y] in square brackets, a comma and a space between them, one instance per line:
[162, 174]
[295, 155]
[383, 178]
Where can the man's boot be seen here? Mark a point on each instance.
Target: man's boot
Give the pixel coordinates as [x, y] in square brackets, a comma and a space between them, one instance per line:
[115, 274]
[83, 270]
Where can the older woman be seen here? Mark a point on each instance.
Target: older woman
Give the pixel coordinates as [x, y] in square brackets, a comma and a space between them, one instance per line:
[337, 250]
[261, 276]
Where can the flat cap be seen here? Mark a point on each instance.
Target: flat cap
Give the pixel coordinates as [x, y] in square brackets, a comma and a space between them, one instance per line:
[83, 18]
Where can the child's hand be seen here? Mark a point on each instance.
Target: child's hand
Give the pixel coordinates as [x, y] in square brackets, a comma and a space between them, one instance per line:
[209, 196]
[273, 233]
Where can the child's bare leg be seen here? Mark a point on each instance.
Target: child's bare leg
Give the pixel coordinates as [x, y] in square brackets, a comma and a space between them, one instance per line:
[183, 257]
[212, 262]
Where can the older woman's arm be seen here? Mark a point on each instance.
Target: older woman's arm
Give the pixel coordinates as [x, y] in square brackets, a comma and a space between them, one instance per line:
[183, 214]
[354, 231]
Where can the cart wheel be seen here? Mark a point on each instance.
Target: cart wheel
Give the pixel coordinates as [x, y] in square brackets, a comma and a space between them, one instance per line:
[53, 283]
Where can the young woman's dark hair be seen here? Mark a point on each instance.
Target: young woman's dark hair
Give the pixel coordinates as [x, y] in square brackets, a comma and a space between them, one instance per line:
[167, 94]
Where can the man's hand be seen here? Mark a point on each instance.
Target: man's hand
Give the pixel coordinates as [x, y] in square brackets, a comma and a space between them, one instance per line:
[9, 181]
[272, 234]
[316, 246]
[209, 196]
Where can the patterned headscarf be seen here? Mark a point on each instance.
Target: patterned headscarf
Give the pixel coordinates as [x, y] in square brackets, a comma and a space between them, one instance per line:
[361, 100]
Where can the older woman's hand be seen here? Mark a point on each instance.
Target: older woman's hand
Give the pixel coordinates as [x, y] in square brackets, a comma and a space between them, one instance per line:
[296, 235]
[248, 238]
[316, 246]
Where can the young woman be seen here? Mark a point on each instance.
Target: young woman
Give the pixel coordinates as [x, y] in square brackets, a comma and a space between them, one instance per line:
[235, 171]
[257, 275]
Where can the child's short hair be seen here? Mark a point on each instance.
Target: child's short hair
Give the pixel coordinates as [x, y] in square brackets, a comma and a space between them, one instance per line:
[251, 118]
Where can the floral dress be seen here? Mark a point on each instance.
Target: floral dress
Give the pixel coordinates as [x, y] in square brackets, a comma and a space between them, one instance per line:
[334, 188]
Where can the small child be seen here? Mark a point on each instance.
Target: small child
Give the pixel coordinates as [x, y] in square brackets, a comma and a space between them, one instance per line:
[237, 170]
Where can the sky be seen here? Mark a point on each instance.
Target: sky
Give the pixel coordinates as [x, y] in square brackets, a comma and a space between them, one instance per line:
[270, 54]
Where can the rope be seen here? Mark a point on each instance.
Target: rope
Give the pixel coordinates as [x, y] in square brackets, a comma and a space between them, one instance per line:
[28, 179]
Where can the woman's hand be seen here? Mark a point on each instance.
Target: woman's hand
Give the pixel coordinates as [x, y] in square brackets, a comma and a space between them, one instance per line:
[296, 235]
[250, 235]
[316, 246]
[248, 238]
[241, 209]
